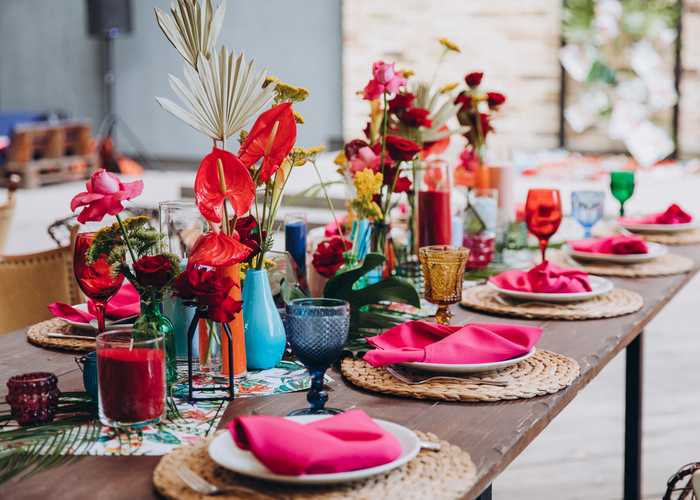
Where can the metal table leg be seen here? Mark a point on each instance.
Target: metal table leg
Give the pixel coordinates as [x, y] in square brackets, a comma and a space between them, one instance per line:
[486, 494]
[633, 419]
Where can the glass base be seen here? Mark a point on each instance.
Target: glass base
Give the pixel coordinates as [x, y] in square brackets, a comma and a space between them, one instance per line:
[105, 420]
[314, 411]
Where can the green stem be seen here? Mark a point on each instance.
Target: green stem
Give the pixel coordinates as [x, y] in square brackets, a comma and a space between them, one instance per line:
[126, 238]
[384, 128]
[328, 199]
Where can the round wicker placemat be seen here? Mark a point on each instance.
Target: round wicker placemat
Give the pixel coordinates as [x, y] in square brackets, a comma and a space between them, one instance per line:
[616, 303]
[680, 238]
[544, 373]
[445, 474]
[661, 266]
[38, 335]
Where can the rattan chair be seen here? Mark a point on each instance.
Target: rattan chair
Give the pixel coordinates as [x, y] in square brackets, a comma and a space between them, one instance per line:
[28, 283]
[6, 211]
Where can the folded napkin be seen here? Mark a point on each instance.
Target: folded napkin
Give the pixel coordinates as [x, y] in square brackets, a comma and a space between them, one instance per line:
[672, 215]
[125, 303]
[544, 278]
[345, 442]
[620, 244]
[432, 343]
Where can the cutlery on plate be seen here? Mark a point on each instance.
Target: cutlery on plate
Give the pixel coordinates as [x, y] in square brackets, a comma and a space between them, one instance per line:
[200, 485]
[69, 336]
[414, 380]
[429, 445]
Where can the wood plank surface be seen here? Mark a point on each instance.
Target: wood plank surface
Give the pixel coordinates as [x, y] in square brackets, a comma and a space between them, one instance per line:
[493, 433]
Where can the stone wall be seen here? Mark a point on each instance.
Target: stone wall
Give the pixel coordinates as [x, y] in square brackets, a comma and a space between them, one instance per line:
[514, 42]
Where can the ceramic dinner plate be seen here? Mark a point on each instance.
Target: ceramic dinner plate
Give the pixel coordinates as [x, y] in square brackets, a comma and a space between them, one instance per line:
[224, 452]
[467, 368]
[659, 228]
[600, 286]
[92, 326]
[655, 251]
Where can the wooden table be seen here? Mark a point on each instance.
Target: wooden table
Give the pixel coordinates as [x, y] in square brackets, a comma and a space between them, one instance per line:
[493, 433]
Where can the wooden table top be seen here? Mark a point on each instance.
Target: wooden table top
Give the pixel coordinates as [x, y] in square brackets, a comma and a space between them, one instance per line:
[493, 433]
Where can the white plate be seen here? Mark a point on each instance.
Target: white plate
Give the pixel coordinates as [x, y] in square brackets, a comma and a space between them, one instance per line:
[92, 326]
[655, 251]
[659, 228]
[467, 368]
[224, 452]
[600, 286]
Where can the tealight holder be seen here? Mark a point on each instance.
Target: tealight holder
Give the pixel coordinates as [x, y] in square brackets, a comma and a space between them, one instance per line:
[33, 397]
[443, 273]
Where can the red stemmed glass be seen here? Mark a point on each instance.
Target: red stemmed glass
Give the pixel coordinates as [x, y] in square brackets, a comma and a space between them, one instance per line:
[543, 215]
[97, 280]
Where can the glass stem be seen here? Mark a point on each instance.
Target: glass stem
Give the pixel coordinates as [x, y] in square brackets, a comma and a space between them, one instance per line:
[100, 313]
[543, 249]
[622, 209]
[587, 232]
[317, 396]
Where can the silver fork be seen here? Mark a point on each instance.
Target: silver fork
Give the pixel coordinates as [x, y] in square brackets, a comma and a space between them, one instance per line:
[417, 381]
[201, 485]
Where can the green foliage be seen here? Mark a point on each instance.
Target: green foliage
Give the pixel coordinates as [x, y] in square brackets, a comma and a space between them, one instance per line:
[109, 241]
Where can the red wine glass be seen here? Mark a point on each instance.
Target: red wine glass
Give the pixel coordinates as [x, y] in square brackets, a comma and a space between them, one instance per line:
[97, 279]
[543, 215]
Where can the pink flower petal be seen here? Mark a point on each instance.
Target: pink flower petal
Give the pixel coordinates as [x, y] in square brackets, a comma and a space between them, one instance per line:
[81, 199]
[132, 189]
[105, 182]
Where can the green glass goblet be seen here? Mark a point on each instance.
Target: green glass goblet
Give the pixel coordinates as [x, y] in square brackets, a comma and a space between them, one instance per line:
[622, 187]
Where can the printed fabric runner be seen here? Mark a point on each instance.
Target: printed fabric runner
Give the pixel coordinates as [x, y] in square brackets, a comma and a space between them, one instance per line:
[189, 423]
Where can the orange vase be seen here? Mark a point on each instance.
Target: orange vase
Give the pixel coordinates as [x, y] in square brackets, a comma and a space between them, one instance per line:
[236, 326]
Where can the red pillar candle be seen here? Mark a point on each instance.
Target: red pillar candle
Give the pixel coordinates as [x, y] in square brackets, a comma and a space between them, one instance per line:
[434, 205]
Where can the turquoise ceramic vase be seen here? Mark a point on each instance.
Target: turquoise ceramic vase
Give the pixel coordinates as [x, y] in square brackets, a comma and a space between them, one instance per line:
[265, 339]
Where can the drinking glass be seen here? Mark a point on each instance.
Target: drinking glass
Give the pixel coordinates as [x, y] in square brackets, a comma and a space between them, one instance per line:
[317, 330]
[130, 379]
[434, 205]
[182, 224]
[33, 397]
[587, 208]
[443, 274]
[96, 279]
[622, 187]
[543, 215]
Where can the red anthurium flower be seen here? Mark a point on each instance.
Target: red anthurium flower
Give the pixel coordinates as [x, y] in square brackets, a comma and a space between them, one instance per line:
[271, 138]
[217, 249]
[105, 194]
[240, 188]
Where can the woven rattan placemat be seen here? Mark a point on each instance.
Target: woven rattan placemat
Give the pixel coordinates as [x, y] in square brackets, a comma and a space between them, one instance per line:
[691, 237]
[445, 474]
[616, 303]
[544, 373]
[665, 265]
[38, 335]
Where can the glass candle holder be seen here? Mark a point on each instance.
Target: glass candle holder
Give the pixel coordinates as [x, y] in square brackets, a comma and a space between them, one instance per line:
[434, 204]
[443, 273]
[33, 397]
[317, 330]
[481, 249]
[131, 379]
[295, 240]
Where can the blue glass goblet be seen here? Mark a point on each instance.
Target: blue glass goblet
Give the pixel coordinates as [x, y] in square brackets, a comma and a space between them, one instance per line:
[317, 330]
[587, 208]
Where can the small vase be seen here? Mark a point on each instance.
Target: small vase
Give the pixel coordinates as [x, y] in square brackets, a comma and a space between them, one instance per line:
[265, 339]
[152, 323]
[210, 347]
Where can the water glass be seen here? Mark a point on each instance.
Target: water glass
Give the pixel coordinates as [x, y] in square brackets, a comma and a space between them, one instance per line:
[587, 208]
[622, 187]
[131, 379]
[317, 330]
[181, 223]
[443, 272]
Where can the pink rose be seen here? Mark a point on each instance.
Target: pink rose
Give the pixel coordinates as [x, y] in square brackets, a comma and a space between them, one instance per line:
[383, 72]
[105, 194]
[384, 80]
[365, 158]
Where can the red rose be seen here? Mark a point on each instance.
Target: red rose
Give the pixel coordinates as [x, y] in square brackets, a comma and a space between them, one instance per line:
[495, 99]
[401, 149]
[154, 271]
[416, 117]
[328, 257]
[210, 289]
[474, 79]
[403, 184]
[246, 227]
[401, 101]
[352, 147]
[464, 100]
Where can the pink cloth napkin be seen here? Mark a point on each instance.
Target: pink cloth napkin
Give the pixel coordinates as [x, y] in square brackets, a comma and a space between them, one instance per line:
[619, 245]
[341, 443]
[544, 278]
[672, 215]
[125, 303]
[432, 343]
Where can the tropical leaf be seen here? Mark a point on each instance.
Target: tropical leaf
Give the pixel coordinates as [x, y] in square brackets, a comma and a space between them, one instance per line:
[192, 32]
[221, 94]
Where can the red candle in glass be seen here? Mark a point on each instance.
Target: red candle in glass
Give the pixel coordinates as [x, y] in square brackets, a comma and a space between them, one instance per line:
[543, 215]
[434, 205]
[481, 247]
[96, 280]
[33, 397]
[131, 378]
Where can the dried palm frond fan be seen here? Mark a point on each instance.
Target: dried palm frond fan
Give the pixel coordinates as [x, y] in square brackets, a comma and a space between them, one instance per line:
[684, 484]
[222, 91]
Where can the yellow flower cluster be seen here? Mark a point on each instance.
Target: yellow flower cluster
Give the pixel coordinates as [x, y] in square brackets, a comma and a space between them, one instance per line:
[367, 185]
[449, 44]
[300, 156]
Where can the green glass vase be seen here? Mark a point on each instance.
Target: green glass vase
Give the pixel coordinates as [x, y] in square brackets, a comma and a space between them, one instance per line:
[151, 323]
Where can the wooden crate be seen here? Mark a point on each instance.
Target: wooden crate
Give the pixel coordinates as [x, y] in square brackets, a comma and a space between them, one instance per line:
[47, 171]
